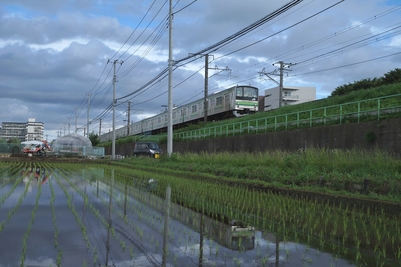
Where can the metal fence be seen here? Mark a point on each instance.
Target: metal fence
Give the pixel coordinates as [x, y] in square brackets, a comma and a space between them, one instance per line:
[6, 149]
[363, 110]
[84, 151]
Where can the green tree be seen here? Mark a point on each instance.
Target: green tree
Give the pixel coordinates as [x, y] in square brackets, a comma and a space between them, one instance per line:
[2, 140]
[393, 76]
[94, 138]
[14, 141]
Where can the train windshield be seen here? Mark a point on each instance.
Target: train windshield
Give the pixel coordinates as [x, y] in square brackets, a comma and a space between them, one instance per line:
[247, 93]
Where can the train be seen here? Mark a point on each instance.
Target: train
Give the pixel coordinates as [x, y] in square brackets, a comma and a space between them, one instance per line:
[235, 101]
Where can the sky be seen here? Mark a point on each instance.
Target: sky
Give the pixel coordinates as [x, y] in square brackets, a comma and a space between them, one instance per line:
[58, 57]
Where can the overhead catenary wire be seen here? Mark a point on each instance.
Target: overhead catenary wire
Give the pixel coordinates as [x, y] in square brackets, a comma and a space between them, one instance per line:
[225, 41]
[146, 13]
[347, 65]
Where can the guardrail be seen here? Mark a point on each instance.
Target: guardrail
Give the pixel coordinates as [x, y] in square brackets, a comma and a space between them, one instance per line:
[363, 110]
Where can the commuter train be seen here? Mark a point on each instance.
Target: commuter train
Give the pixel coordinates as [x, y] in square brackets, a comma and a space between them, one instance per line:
[232, 102]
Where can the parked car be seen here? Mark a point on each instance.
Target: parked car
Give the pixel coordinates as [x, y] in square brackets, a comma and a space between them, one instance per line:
[148, 149]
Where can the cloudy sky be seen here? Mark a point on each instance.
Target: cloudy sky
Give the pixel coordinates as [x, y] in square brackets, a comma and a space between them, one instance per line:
[56, 56]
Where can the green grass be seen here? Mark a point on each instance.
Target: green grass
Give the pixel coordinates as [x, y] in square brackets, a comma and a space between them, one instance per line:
[342, 172]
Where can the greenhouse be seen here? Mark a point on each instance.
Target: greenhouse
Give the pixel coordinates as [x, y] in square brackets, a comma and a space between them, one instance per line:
[76, 145]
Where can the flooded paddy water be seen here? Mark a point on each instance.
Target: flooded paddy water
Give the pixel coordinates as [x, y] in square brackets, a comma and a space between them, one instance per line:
[72, 215]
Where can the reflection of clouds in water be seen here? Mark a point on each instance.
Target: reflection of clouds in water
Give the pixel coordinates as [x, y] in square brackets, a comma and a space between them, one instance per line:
[40, 263]
[143, 261]
[13, 198]
[28, 183]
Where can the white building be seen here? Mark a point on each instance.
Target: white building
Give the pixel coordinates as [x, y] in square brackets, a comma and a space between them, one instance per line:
[292, 95]
[34, 130]
[23, 131]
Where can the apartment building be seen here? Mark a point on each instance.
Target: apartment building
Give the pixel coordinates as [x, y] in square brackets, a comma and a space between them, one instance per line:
[23, 131]
[34, 130]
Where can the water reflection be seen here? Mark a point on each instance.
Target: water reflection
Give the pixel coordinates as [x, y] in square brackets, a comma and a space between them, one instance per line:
[119, 215]
[216, 242]
[34, 176]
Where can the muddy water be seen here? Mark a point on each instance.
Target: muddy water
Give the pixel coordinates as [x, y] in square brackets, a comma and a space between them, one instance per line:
[58, 217]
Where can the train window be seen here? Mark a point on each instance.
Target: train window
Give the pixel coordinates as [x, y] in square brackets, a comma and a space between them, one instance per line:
[194, 108]
[219, 100]
[239, 91]
[249, 92]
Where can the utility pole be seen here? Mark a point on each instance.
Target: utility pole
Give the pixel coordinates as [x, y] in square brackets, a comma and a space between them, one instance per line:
[205, 103]
[282, 66]
[128, 119]
[206, 90]
[170, 86]
[281, 74]
[87, 119]
[76, 120]
[100, 127]
[113, 140]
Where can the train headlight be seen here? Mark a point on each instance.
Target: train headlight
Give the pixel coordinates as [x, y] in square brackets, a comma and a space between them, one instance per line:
[152, 151]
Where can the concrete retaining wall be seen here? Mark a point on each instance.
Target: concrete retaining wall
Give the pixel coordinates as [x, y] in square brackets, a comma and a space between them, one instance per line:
[387, 135]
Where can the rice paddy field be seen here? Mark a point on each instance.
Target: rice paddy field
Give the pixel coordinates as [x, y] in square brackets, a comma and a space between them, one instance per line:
[170, 212]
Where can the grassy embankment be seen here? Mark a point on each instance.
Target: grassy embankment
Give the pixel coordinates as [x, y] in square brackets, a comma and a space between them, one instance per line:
[318, 105]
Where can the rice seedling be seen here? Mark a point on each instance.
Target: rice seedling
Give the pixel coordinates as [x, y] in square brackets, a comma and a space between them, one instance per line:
[27, 233]
[323, 225]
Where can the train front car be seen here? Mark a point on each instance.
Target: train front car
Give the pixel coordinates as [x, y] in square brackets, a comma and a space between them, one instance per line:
[246, 100]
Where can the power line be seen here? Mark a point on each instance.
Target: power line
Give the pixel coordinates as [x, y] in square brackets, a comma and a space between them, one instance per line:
[347, 65]
[225, 41]
[276, 33]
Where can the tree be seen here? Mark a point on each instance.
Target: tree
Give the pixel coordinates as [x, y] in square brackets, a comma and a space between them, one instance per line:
[14, 141]
[94, 138]
[393, 76]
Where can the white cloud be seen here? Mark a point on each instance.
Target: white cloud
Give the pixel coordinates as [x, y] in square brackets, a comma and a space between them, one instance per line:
[59, 45]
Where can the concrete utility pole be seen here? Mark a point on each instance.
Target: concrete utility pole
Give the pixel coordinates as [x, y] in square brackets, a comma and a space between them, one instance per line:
[129, 113]
[100, 127]
[281, 74]
[76, 120]
[113, 140]
[206, 100]
[170, 86]
[282, 66]
[87, 119]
